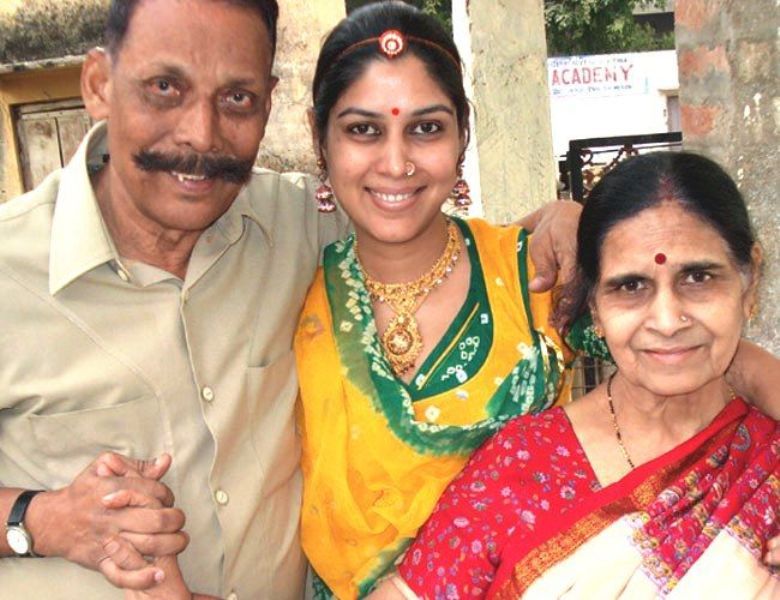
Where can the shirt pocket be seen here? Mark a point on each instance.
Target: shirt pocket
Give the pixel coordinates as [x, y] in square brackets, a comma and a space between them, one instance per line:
[272, 391]
[65, 443]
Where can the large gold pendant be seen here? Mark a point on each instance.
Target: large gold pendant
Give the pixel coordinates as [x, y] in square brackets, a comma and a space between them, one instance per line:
[402, 342]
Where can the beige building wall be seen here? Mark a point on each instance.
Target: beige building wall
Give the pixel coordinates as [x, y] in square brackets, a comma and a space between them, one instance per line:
[506, 56]
[303, 25]
[7, 6]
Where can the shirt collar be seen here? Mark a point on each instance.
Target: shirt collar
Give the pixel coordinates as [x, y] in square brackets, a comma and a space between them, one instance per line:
[79, 238]
[231, 224]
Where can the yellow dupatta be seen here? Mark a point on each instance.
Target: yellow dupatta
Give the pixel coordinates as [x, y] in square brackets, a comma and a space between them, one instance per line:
[374, 462]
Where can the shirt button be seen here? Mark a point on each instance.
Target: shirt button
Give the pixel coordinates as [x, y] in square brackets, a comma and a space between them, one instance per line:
[207, 393]
[222, 498]
[232, 596]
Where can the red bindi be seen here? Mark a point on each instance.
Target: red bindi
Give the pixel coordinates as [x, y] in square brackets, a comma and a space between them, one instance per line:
[660, 258]
[395, 112]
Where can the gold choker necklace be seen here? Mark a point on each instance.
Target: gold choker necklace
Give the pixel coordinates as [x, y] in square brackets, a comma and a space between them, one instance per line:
[401, 340]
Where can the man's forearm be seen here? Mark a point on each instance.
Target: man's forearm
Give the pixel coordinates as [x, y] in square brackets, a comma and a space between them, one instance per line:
[755, 374]
[42, 521]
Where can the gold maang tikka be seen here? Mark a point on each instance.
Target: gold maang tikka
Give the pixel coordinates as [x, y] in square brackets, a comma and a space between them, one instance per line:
[401, 339]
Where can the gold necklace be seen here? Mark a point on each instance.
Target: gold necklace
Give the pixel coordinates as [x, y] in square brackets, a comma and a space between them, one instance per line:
[618, 435]
[401, 339]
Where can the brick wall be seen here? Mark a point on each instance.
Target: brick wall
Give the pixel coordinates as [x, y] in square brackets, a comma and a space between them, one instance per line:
[730, 110]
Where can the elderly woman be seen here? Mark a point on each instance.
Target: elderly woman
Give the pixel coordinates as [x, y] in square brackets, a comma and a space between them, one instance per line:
[661, 481]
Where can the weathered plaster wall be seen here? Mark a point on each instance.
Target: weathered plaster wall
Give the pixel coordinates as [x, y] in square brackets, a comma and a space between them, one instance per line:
[513, 131]
[7, 6]
[730, 110]
[303, 26]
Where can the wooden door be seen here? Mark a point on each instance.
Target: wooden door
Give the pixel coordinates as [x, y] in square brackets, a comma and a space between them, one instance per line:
[49, 134]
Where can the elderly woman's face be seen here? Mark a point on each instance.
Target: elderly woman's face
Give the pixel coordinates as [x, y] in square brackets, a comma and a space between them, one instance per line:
[670, 300]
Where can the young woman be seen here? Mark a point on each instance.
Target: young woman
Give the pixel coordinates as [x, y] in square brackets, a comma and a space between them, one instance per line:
[419, 337]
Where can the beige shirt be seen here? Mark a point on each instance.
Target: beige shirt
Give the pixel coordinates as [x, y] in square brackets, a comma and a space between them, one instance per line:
[99, 353]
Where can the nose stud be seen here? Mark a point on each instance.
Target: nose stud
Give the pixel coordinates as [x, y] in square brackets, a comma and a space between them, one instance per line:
[410, 169]
[684, 319]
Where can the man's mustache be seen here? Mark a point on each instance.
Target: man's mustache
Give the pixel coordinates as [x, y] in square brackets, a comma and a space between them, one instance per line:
[232, 170]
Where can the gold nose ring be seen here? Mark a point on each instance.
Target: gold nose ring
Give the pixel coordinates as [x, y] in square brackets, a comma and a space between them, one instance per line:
[410, 169]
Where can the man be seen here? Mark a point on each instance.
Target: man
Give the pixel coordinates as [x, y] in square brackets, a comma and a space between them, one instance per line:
[149, 293]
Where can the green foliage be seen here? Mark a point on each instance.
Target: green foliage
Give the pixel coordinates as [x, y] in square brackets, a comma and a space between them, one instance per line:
[442, 9]
[48, 29]
[600, 27]
[438, 8]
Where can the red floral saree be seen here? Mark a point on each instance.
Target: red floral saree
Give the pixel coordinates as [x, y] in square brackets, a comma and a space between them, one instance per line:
[694, 522]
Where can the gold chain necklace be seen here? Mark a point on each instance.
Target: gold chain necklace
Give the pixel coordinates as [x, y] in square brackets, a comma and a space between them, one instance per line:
[615, 425]
[401, 339]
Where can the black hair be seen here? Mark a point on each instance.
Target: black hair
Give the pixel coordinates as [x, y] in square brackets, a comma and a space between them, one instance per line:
[121, 11]
[696, 183]
[337, 69]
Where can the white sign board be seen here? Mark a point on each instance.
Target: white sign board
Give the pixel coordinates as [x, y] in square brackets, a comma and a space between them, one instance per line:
[610, 94]
[595, 76]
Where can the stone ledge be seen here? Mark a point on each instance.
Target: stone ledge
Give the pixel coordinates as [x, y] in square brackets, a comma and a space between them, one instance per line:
[41, 64]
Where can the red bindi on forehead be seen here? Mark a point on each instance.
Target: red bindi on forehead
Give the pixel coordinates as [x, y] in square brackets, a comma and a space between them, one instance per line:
[395, 112]
[660, 258]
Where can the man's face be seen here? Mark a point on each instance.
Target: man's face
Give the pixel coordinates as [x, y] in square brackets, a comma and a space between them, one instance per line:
[187, 96]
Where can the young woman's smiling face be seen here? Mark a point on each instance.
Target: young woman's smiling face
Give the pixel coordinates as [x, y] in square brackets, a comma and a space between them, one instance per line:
[672, 322]
[391, 121]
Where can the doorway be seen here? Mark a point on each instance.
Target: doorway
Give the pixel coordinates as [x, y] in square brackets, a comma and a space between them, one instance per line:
[49, 134]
